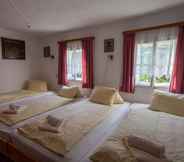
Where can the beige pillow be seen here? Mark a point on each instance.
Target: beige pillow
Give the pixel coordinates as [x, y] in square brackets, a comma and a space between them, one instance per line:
[37, 85]
[103, 95]
[168, 102]
[118, 99]
[69, 92]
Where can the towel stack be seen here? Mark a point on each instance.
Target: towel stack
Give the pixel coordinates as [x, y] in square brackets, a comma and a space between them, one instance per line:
[14, 109]
[51, 125]
[142, 150]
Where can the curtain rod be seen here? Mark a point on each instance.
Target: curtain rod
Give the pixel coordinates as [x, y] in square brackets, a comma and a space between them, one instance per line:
[76, 39]
[156, 27]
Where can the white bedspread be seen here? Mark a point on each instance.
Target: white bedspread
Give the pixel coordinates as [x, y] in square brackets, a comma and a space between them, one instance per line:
[155, 126]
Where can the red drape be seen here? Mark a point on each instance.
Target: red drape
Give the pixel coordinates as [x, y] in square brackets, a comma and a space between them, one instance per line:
[87, 62]
[128, 81]
[62, 64]
[177, 80]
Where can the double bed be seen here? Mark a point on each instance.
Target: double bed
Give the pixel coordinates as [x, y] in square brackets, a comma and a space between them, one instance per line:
[154, 126]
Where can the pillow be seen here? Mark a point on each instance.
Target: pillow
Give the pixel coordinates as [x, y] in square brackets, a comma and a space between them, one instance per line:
[103, 95]
[37, 85]
[118, 99]
[69, 92]
[168, 102]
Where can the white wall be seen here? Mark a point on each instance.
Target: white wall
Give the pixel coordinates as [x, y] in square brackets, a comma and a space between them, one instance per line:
[108, 72]
[13, 73]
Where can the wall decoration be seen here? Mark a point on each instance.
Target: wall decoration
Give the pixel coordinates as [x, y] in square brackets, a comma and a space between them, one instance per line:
[13, 49]
[109, 45]
[46, 51]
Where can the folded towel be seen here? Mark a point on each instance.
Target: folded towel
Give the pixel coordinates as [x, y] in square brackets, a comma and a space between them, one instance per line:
[155, 149]
[48, 128]
[13, 109]
[139, 155]
[142, 156]
[53, 121]
[16, 107]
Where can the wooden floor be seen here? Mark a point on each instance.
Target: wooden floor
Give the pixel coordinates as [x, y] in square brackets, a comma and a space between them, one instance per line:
[4, 159]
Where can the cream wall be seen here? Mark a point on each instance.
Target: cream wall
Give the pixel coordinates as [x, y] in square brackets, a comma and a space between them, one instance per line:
[108, 72]
[13, 73]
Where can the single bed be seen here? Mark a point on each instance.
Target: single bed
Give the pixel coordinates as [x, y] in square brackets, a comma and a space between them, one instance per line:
[155, 126]
[87, 125]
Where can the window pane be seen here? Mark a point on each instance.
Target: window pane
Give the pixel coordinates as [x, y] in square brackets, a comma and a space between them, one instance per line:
[143, 75]
[144, 63]
[163, 62]
[74, 64]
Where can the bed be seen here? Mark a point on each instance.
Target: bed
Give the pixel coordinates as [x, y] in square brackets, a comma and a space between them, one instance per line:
[155, 126]
[87, 125]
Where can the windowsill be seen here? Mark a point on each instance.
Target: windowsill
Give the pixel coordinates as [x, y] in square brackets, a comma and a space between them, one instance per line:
[75, 81]
[154, 87]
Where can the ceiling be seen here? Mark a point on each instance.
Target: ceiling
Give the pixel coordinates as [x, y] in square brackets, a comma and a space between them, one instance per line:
[47, 16]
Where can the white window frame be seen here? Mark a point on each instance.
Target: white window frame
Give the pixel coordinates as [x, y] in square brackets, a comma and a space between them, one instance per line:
[151, 84]
[74, 46]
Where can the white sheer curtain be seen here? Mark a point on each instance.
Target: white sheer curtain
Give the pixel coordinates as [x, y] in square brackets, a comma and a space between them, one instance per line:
[74, 60]
[154, 56]
[157, 35]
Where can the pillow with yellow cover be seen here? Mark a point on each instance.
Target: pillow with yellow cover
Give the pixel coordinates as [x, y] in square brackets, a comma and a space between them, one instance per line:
[168, 102]
[37, 85]
[118, 99]
[104, 95]
[70, 92]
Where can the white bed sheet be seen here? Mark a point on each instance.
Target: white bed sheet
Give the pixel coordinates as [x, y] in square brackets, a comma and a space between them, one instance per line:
[78, 151]
[155, 126]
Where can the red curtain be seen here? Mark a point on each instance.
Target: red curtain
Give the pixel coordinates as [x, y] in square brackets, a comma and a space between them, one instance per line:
[62, 64]
[87, 62]
[128, 81]
[177, 80]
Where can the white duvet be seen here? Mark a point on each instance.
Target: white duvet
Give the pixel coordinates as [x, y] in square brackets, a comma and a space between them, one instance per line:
[155, 126]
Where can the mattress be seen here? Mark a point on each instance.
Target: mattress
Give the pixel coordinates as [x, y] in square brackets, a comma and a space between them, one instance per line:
[162, 127]
[85, 144]
[5, 130]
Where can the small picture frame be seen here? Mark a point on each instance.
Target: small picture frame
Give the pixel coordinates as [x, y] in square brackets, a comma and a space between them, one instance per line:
[46, 51]
[109, 45]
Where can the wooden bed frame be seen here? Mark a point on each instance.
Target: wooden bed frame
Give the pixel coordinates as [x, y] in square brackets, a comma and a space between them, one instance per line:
[10, 151]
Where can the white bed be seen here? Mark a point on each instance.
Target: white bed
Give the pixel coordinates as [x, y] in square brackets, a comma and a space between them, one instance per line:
[155, 126]
[92, 138]
[5, 130]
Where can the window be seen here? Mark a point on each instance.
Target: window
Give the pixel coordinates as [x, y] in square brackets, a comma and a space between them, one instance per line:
[74, 61]
[155, 58]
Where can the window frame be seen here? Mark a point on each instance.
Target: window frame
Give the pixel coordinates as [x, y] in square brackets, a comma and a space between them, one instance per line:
[74, 80]
[151, 84]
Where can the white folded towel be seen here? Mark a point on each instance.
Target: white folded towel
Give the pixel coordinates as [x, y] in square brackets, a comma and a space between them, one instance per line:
[48, 128]
[17, 107]
[53, 121]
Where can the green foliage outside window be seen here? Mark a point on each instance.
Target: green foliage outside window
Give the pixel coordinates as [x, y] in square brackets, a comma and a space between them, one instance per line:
[162, 79]
[145, 78]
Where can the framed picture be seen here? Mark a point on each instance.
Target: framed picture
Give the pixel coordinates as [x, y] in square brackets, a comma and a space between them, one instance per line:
[13, 49]
[46, 51]
[109, 45]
